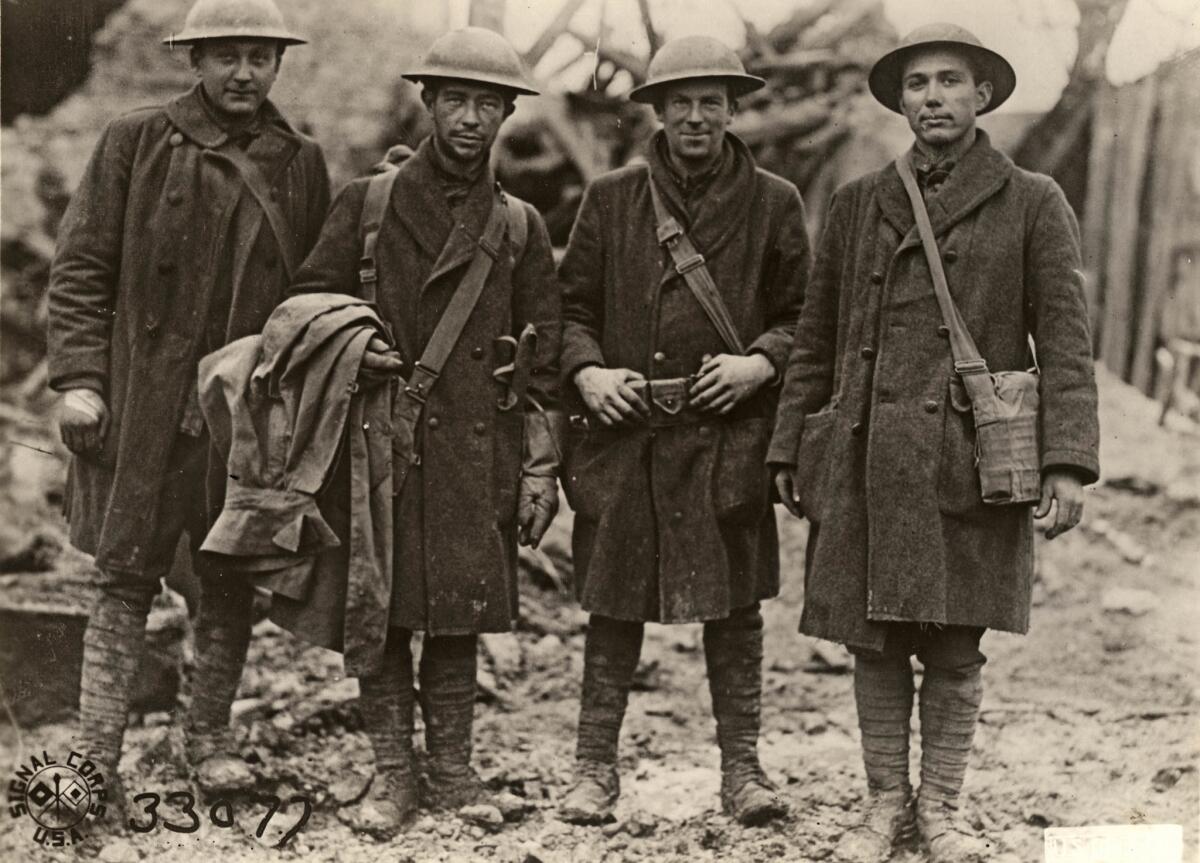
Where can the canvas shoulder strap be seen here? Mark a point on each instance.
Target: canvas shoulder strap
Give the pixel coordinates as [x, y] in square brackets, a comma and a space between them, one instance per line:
[407, 409]
[962, 346]
[690, 264]
[379, 192]
[249, 171]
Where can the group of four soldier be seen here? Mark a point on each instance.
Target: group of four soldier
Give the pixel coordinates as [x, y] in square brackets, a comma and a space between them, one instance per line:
[690, 342]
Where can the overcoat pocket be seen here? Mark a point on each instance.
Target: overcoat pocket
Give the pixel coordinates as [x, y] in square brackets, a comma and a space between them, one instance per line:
[812, 462]
[741, 481]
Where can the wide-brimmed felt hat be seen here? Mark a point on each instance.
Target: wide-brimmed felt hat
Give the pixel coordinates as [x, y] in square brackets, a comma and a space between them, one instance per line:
[691, 57]
[885, 77]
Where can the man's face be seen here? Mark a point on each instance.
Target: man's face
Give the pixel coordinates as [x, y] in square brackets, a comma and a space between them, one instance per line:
[466, 118]
[940, 97]
[695, 116]
[236, 74]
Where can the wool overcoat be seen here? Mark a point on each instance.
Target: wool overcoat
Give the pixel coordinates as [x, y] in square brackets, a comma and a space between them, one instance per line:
[162, 250]
[455, 540]
[887, 469]
[674, 523]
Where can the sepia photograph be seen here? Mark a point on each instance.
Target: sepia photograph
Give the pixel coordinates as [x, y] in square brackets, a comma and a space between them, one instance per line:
[588, 431]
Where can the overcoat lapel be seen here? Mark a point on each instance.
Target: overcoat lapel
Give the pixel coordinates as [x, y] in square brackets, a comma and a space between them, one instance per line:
[725, 207]
[272, 150]
[421, 207]
[982, 173]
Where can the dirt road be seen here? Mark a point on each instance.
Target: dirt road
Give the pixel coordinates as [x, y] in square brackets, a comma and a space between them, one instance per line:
[1091, 718]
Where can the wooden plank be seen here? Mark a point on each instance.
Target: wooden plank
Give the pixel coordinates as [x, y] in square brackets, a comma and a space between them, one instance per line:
[1095, 215]
[1135, 111]
[1172, 213]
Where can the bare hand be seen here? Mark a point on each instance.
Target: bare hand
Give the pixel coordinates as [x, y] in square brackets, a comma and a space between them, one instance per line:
[83, 420]
[607, 394]
[726, 380]
[379, 362]
[785, 484]
[1064, 488]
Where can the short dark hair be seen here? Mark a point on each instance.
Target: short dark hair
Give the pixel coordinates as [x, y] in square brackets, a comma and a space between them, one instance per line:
[979, 71]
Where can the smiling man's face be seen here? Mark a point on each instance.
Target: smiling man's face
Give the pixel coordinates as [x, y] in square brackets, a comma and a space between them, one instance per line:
[940, 97]
[237, 74]
[695, 115]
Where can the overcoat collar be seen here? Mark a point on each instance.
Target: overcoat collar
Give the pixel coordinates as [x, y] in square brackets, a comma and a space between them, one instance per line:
[981, 173]
[419, 202]
[272, 149]
[725, 205]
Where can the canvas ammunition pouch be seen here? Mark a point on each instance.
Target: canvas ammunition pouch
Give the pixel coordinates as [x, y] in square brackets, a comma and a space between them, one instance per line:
[1004, 404]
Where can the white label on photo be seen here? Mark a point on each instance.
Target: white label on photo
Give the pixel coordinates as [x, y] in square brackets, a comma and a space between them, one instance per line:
[1126, 843]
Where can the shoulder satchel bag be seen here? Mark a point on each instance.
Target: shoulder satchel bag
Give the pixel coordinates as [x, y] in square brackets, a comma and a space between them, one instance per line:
[507, 215]
[1004, 404]
[253, 177]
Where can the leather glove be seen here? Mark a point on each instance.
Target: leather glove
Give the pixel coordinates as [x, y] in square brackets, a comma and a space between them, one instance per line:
[537, 502]
[83, 420]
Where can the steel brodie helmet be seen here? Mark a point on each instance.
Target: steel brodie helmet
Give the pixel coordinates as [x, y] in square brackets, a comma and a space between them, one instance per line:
[885, 77]
[695, 57]
[234, 19]
[474, 54]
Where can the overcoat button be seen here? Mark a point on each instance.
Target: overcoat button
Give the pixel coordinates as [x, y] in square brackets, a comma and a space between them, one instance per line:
[480, 428]
[165, 267]
[931, 407]
[175, 140]
[944, 331]
[175, 198]
[476, 353]
[152, 330]
[660, 357]
[856, 429]
[677, 516]
[433, 422]
[868, 353]
[951, 256]
[877, 278]
[704, 432]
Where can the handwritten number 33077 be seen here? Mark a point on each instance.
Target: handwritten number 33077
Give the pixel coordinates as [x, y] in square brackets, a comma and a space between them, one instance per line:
[220, 814]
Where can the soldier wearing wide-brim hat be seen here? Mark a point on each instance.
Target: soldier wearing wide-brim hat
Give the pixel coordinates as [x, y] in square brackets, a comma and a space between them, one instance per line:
[484, 466]
[665, 460]
[179, 238]
[876, 443]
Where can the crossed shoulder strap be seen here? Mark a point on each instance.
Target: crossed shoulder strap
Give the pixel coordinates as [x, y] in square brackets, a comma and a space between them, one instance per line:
[690, 264]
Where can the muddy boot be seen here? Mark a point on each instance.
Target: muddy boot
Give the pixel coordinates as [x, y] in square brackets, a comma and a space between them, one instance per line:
[883, 695]
[949, 708]
[448, 705]
[386, 702]
[888, 820]
[733, 651]
[222, 637]
[593, 794]
[610, 658]
[113, 645]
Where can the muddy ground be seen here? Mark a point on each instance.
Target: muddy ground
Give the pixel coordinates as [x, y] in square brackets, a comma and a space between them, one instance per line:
[1089, 719]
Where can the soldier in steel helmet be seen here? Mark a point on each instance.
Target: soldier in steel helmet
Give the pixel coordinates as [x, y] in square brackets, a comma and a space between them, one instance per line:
[674, 383]
[876, 441]
[484, 454]
[178, 240]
